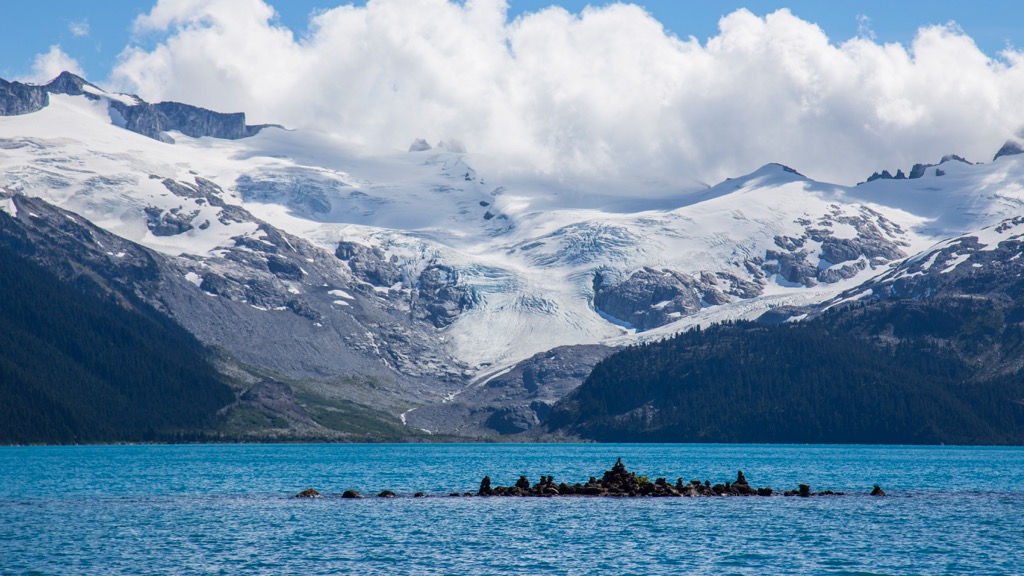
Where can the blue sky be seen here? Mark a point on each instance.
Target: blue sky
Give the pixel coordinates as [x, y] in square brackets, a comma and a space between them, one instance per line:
[95, 32]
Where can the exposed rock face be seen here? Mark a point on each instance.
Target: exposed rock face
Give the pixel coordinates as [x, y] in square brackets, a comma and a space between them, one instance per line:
[284, 269]
[309, 493]
[419, 145]
[147, 119]
[1010, 148]
[825, 253]
[268, 283]
[17, 98]
[793, 267]
[369, 263]
[919, 170]
[886, 175]
[517, 400]
[69, 84]
[875, 244]
[959, 267]
[154, 119]
[649, 298]
[170, 222]
[80, 253]
[440, 298]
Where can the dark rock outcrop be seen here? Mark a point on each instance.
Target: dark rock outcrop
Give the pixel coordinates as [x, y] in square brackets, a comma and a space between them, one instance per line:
[1010, 148]
[70, 84]
[169, 222]
[876, 243]
[616, 482]
[369, 263]
[419, 145]
[919, 170]
[309, 493]
[150, 120]
[619, 481]
[440, 297]
[284, 269]
[648, 298]
[485, 487]
[154, 119]
[17, 98]
[877, 491]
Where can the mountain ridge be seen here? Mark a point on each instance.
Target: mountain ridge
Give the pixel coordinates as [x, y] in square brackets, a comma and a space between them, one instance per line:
[129, 111]
[430, 273]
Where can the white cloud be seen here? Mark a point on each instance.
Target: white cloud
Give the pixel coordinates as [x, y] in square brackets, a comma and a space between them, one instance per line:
[48, 65]
[602, 94]
[864, 27]
[79, 29]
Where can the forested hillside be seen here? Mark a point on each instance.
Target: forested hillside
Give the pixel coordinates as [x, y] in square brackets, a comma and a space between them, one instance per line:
[77, 368]
[805, 383]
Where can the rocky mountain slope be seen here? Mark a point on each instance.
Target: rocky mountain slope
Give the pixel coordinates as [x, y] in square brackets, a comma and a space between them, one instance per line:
[931, 351]
[428, 284]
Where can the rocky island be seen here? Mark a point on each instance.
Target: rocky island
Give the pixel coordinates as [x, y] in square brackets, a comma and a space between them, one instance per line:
[620, 482]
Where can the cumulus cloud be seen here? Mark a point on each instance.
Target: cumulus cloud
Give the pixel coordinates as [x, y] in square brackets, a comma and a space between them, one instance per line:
[603, 94]
[48, 65]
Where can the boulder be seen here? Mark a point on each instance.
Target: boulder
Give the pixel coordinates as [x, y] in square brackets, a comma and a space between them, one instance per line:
[309, 493]
[351, 494]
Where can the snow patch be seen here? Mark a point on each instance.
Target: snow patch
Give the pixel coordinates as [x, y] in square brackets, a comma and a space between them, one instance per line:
[532, 263]
[7, 205]
[340, 294]
[957, 260]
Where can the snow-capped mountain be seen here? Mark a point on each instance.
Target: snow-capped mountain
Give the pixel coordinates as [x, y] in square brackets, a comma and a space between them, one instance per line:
[431, 272]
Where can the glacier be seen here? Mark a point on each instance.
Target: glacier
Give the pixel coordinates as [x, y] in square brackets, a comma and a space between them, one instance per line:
[449, 270]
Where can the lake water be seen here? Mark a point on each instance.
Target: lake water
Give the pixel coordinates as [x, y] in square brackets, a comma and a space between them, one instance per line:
[215, 509]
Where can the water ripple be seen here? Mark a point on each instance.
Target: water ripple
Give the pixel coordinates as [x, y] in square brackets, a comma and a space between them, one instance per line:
[227, 510]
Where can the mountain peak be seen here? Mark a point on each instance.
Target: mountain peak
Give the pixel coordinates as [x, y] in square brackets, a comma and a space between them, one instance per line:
[773, 170]
[130, 112]
[1013, 146]
[68, 83]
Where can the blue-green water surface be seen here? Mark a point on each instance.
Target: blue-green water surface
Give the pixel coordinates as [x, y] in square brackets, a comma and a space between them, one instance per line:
[227, 509]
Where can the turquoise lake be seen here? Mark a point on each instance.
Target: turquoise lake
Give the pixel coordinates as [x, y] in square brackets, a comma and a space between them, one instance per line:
[228, 509]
